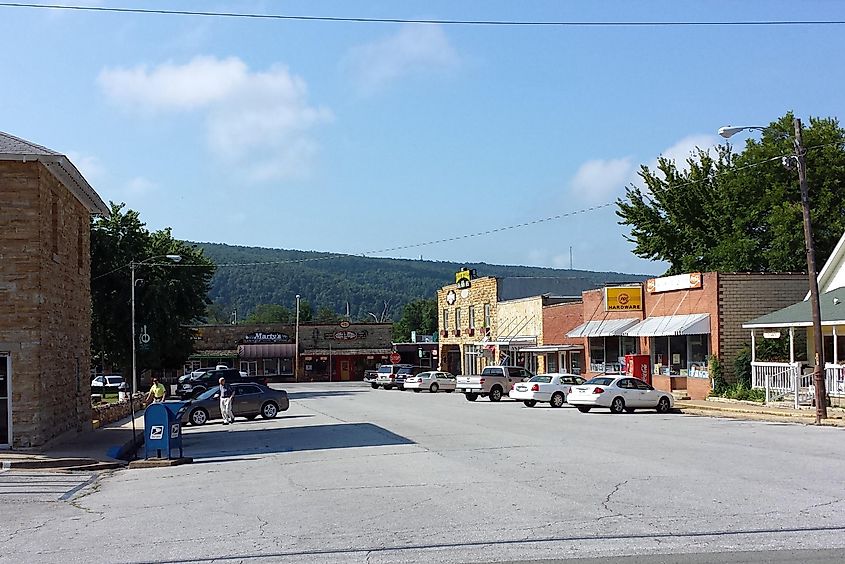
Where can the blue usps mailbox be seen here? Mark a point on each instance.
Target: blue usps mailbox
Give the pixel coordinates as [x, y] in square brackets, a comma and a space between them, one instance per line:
[162, 429]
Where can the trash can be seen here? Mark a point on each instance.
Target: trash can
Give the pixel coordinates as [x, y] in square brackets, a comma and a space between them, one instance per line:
[163, 429]
[123, 392]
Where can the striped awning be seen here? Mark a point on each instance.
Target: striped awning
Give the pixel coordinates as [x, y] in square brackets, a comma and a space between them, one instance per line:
[603, 327]
[661, 326]
[274, 350]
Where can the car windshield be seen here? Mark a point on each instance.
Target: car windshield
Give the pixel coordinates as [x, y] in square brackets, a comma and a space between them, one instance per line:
[600, 381]
[405, 371]
[541, 379]
[208, 393]
[385, 369]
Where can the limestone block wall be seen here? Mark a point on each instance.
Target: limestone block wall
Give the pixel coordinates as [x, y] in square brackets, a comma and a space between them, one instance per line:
[45, 303]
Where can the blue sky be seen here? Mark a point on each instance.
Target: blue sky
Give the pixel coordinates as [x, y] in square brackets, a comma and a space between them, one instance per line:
[351, 138]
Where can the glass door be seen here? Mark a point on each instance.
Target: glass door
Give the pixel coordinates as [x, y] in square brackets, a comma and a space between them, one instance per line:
[5, 399]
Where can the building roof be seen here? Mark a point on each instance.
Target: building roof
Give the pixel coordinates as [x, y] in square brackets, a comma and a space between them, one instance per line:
[832, 274]
[832, 305]
[16, 149]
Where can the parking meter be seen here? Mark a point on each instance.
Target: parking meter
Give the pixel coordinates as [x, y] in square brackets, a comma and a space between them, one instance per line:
[163, 429]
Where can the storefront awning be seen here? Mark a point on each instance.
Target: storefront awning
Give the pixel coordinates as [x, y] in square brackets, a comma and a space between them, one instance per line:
[198, 355]
[553, 348]
[603, 327]
[692, 324]
[276, 350]
[346, 352]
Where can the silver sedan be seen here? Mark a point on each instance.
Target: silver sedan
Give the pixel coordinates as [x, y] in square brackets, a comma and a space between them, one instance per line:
[431, 381]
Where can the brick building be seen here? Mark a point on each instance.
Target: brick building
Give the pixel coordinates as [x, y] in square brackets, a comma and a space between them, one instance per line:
[560, 353]
[339, 351]
[45, 294]
[681, 321]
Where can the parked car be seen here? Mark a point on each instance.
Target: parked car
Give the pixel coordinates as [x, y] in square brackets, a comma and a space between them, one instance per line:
[110, 381]
[494, 381]
[619, 394]
[386, 376]
[250, 401]
[546, 388]
[431, 381]
[199, 372]
[370, 376]
[196, 385]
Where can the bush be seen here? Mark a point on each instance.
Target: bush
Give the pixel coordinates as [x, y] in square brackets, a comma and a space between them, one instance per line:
[742, 368]
[718, 383]
[743, 393]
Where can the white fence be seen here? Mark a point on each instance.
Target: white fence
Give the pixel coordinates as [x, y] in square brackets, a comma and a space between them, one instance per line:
[835, 379]
[780, 379]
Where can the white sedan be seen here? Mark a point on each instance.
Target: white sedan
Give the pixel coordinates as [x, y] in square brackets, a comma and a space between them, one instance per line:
[546, 388]
[431, 381]
[619, 394]
[110, 381]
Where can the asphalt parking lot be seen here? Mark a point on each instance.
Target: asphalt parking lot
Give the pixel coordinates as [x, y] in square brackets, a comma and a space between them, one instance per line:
[352, 474]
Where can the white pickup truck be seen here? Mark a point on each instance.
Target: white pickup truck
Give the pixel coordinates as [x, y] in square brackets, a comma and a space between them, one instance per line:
[493, 382]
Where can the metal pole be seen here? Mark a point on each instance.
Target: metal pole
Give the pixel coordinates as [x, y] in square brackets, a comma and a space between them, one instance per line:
[296, 344]
[818, 376]
[132, 300]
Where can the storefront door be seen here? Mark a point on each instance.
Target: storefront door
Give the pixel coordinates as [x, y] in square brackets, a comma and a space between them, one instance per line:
[345, 369]
[5, 400]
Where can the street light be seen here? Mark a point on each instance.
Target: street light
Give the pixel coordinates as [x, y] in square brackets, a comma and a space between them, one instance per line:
[296, 344]
[799, 153]
[132, 265]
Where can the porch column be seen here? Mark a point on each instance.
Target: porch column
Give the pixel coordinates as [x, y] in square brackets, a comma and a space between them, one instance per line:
[753, 346]
[835, 347]
[792, 345]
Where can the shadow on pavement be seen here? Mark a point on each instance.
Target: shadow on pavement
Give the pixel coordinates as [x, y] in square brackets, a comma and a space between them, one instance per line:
[323, 393]
[236, 442]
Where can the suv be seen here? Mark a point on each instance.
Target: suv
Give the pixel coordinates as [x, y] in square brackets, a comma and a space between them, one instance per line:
[203, 381]
[393, 375]
[199, 372]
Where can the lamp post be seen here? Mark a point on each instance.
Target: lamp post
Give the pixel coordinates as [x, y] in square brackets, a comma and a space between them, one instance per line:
[296, 344]
[132, 265]
[799, 153]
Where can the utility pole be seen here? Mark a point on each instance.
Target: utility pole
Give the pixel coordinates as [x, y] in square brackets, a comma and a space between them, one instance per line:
[818, 338]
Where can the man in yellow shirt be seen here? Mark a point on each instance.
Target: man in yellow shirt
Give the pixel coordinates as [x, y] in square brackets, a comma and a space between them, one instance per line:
[156, 392]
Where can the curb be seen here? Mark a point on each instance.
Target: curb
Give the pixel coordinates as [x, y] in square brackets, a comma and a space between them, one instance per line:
[766, 415]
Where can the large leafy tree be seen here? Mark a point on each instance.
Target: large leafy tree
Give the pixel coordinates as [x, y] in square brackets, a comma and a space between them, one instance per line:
[269, 313]
[741, 212]
[419, 316]
[168, 296]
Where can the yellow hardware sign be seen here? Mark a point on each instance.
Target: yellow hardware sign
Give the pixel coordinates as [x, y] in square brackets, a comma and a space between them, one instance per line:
[623, 298]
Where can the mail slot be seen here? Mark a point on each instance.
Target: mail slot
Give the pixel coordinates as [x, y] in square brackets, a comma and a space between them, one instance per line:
[162, 429]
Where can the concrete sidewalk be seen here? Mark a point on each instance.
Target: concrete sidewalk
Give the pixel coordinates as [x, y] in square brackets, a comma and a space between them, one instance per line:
[100, 449]
[760, 412]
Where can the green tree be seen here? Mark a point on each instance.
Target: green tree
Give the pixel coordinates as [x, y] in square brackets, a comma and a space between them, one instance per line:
[306, 313]
[740, 212]
[269, 313]
[419, 316]
[168, 296]
[326, 315]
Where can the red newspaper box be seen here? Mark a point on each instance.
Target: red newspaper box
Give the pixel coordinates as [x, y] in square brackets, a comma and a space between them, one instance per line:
[638, 366]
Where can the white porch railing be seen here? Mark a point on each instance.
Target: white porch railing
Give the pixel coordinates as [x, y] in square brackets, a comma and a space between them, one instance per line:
[835, 379]
[780, 379]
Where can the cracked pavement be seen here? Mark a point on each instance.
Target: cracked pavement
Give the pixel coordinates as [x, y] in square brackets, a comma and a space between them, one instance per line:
[351, 474]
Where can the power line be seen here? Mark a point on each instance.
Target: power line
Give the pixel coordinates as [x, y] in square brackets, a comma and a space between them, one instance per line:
[514, 23]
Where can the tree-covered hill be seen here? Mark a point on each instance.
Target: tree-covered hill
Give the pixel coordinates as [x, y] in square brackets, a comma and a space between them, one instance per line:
[332, 281]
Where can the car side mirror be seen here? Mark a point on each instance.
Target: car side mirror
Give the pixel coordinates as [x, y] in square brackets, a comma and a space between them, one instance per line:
[216, 395]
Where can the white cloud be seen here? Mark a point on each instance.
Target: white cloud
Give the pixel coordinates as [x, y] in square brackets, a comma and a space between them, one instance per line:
[256, 121]
[139, 187]
[90, 166]
[600, 180]
[412, 49]
[683, 149]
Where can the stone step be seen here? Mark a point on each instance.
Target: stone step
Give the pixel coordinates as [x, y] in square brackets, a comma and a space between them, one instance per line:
[680, 394]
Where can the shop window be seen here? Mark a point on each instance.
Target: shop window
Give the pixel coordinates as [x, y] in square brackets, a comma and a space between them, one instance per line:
[270, 366]
[250, 367]
[596, 354]
[698, 350]
[551, 362]
[575, 362]
[630, 345]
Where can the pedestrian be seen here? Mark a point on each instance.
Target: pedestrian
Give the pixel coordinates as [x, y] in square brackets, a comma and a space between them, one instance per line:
[156, 393]
[226, 395]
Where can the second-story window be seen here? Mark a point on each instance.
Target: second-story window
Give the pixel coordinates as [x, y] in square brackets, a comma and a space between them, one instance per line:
[487, 315]
[457, 318]
[445, 319]
[471, 317]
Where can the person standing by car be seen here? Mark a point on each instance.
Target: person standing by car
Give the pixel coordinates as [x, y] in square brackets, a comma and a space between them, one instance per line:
[226, 395]
[156, 393]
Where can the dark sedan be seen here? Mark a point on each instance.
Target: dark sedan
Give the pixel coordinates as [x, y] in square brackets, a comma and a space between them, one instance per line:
[250, 401]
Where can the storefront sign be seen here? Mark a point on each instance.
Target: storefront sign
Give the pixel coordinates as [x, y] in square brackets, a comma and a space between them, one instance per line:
[771, 334]
[623, 298]
[463, 278]
[670, 283]
[259, 337]
[345, 335]
[344, 324]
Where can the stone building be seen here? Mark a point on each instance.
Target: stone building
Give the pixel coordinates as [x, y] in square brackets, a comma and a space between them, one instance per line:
[45, 294]
[489, 320]
[336, 351]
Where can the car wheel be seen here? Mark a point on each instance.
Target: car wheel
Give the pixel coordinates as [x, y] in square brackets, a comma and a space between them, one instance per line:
[198, 416]
[269, 410]
[434, 387]
[375, 386]
[530, 403]
[557, 400]
[629, 410]
[471, 397]
[496, 393]
[663, 406]
[617, 405]
[584, 408]
[417, 390]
